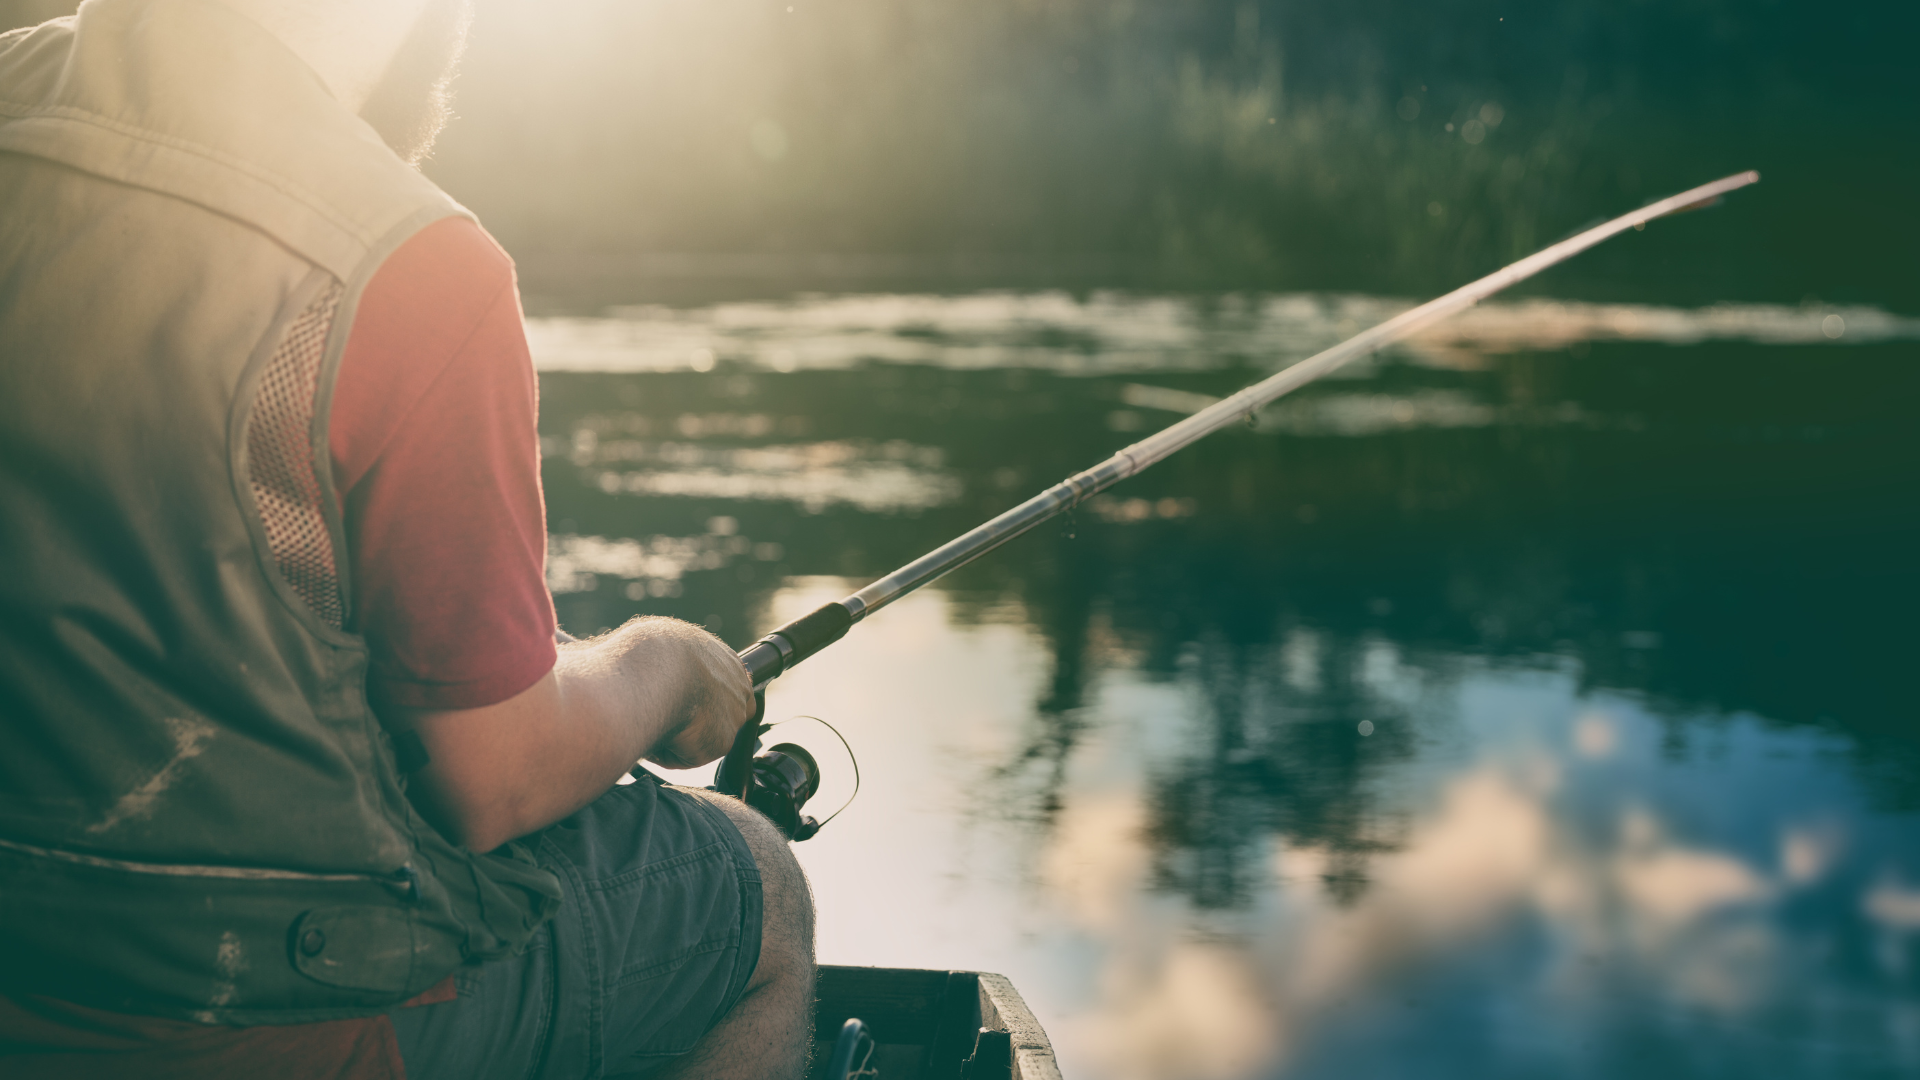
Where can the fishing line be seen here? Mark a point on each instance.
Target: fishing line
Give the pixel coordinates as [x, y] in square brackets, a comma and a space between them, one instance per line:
[850, 757]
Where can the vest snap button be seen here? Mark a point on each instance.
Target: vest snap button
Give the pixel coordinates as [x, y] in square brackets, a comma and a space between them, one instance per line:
[312, 942]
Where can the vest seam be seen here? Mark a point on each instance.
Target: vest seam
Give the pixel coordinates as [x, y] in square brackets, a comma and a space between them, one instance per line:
[73, 114]
[344, 316]
[246, 390]
[240, 873]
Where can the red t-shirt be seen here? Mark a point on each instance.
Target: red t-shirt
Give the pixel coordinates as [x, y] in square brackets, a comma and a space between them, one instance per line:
[437, 463]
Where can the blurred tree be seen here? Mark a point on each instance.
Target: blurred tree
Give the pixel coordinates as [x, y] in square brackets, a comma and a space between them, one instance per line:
[1378, 145]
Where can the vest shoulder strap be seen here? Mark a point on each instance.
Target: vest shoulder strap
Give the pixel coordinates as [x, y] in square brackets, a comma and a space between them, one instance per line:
[189, 98]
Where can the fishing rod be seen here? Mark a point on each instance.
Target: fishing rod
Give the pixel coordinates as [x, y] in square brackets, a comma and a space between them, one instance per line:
[786, 777]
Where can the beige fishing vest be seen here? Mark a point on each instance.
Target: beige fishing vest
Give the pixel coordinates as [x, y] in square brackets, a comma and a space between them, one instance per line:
[200, 816]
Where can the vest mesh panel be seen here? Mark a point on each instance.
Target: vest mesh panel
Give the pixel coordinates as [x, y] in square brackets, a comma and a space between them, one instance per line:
[280, 460]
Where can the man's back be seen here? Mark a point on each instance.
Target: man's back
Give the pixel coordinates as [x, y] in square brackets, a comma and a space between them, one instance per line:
[208, 849]
[192, 776]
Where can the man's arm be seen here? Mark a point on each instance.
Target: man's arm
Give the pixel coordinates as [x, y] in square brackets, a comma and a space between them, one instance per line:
[434, 445]
[656, 688]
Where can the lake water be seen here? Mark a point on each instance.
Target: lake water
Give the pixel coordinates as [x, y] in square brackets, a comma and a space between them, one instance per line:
[1535, 700]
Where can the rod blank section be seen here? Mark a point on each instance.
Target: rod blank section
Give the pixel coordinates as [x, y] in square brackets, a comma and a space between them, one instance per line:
[798, 640]
[779, 651]
[1130, 460]
[971, 545]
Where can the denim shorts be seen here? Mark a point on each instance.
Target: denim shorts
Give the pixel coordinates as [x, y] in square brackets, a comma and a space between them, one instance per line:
[657, 935]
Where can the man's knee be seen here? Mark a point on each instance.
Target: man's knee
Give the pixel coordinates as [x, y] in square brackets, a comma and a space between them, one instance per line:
[786, 928]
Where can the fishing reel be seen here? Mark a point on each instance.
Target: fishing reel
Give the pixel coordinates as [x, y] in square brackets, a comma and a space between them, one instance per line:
[777, 781]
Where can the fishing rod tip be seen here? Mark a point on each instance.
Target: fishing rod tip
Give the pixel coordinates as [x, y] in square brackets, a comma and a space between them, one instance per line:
[1720, 189]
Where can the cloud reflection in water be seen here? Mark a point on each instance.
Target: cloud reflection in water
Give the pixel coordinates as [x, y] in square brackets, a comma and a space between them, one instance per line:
[1562, 870]
[1547, 891]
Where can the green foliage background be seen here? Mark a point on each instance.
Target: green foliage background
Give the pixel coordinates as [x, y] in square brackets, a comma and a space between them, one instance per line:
[1185, 143]
[1201, 143]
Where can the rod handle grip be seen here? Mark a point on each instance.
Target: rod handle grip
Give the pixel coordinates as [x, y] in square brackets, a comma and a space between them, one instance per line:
[779, 651]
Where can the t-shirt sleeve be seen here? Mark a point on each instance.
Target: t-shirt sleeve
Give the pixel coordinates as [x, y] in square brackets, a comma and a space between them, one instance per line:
[436, 458]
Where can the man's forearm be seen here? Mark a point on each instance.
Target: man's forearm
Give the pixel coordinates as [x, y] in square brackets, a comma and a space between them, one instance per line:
[506, 770]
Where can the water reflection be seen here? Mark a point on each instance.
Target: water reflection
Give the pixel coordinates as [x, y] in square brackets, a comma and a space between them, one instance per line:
[1549, 891]
[1113, 332]
[1539, 714]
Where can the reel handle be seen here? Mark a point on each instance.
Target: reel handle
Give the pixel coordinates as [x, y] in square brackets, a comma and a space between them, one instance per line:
[736, 769]
[776, 783]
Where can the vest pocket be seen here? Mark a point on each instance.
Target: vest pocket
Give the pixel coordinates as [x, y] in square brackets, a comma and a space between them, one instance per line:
[355, 948]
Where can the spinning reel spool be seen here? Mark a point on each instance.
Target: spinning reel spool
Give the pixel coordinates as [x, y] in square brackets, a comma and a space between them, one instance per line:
[777, 781]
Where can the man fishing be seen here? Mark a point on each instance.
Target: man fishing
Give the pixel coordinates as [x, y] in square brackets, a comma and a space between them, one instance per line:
[294, 780]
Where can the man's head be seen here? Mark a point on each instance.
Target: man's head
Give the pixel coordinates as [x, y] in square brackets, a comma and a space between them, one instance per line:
[392, 61]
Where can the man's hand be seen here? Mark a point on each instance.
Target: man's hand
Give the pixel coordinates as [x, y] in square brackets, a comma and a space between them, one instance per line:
[711, 719]
[656, 688]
